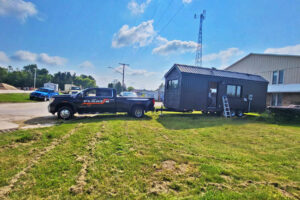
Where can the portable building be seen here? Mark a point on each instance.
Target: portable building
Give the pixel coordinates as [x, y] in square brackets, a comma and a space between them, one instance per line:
[196, 88]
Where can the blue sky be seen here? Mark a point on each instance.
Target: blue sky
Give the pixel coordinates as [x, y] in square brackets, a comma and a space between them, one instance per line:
[151, 35]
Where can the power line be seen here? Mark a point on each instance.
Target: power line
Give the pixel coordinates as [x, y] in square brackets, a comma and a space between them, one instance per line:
[171, 19]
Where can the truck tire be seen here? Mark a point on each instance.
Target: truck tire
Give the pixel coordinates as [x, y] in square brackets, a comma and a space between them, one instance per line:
[65, 113]
[137, 111]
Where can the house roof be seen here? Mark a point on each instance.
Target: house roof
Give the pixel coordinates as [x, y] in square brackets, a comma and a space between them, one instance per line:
[261, 54]
[215, 72]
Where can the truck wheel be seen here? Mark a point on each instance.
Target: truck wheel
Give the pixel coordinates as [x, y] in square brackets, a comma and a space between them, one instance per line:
[137, 111]
[65, 113]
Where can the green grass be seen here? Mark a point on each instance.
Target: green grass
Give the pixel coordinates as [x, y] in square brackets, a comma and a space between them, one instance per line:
[15, 98]
[174, 156]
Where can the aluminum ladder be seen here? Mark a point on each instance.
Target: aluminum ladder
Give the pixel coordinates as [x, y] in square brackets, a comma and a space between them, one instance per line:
[226, 107]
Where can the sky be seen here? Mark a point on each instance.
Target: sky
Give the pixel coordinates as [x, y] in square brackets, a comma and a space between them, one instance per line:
[93, 37]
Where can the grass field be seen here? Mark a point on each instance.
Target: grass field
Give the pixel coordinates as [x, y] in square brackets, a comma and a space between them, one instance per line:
[15, 98]
[174, 156]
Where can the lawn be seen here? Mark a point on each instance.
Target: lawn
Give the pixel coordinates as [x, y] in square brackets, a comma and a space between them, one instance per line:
[15, 98]
[174, 156]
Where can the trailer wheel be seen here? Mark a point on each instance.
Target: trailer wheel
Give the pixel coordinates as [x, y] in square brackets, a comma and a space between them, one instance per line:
[233, 113]
[137, 111]
[239, 113]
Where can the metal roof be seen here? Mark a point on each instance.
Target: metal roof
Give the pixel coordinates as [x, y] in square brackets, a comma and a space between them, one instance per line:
[215, 72]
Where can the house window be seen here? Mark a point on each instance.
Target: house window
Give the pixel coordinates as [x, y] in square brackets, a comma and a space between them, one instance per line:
[275, 77]
[280, 78]
[172, 84]
[234, 90]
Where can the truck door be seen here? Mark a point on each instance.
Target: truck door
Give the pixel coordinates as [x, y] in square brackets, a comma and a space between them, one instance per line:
[107, 100]
[88, 102]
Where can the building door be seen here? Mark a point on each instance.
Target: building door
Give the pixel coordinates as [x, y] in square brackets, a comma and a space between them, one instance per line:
[212, 94]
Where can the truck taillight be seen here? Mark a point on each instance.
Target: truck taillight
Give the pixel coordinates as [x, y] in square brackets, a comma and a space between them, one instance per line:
[153, 101]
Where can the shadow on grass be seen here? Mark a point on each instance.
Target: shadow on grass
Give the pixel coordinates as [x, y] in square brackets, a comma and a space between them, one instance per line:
[83, 119]
[192, 121]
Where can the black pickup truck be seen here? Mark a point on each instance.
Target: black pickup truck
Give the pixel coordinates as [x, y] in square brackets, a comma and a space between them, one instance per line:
[98, 100]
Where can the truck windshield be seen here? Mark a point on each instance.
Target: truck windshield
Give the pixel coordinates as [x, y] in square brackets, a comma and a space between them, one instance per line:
[75, 88]
[42, 90]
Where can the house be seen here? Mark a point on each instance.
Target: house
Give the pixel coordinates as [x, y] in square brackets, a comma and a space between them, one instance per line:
[196, 88]
[282, 72]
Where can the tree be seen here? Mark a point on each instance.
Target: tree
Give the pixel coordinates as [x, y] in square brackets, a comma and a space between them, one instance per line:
[130, 88]
[117, 86]
[25, 77]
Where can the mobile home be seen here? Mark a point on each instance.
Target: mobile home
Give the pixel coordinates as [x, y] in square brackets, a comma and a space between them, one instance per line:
[190, 88]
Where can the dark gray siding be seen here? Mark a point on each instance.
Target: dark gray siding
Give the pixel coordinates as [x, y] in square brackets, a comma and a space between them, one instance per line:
[172, 96]
[194, 93]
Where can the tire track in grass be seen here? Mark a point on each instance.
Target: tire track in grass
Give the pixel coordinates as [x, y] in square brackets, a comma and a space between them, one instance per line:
[87, 160]
[6, 189]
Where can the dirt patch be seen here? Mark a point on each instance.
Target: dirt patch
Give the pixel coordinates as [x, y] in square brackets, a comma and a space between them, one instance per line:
[86, 160]
[158, 187]
[168, 165]
[6, 189]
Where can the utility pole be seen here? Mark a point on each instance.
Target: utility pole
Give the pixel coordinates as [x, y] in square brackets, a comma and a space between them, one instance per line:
[34, 78]
[198, 59]
[123, 74]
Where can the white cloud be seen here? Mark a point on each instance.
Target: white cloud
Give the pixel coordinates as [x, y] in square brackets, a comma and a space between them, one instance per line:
[17, 8]
[87, 65]
[187, 1]
[174, 46]
[22, 55]
[51, 60]
[136, 8]
[3, 57]
[139, 36]
[43, 58]
[223, 56]
[293, 50]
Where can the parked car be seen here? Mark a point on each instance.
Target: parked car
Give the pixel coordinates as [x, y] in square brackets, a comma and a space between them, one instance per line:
[128, 94]
[99, 100]
[42, 94]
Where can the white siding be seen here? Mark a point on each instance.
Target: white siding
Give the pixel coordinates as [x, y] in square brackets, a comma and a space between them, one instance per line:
[264, 65]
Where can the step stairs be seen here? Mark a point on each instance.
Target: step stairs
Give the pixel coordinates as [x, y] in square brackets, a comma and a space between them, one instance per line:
[226, 107]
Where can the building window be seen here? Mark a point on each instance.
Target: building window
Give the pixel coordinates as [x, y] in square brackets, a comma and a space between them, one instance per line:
[280, 78]
[172, 84]
[234, 90]
[276, 99]
[275, 77]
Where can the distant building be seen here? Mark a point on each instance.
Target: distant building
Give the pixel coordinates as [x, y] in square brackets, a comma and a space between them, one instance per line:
[282, 72]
